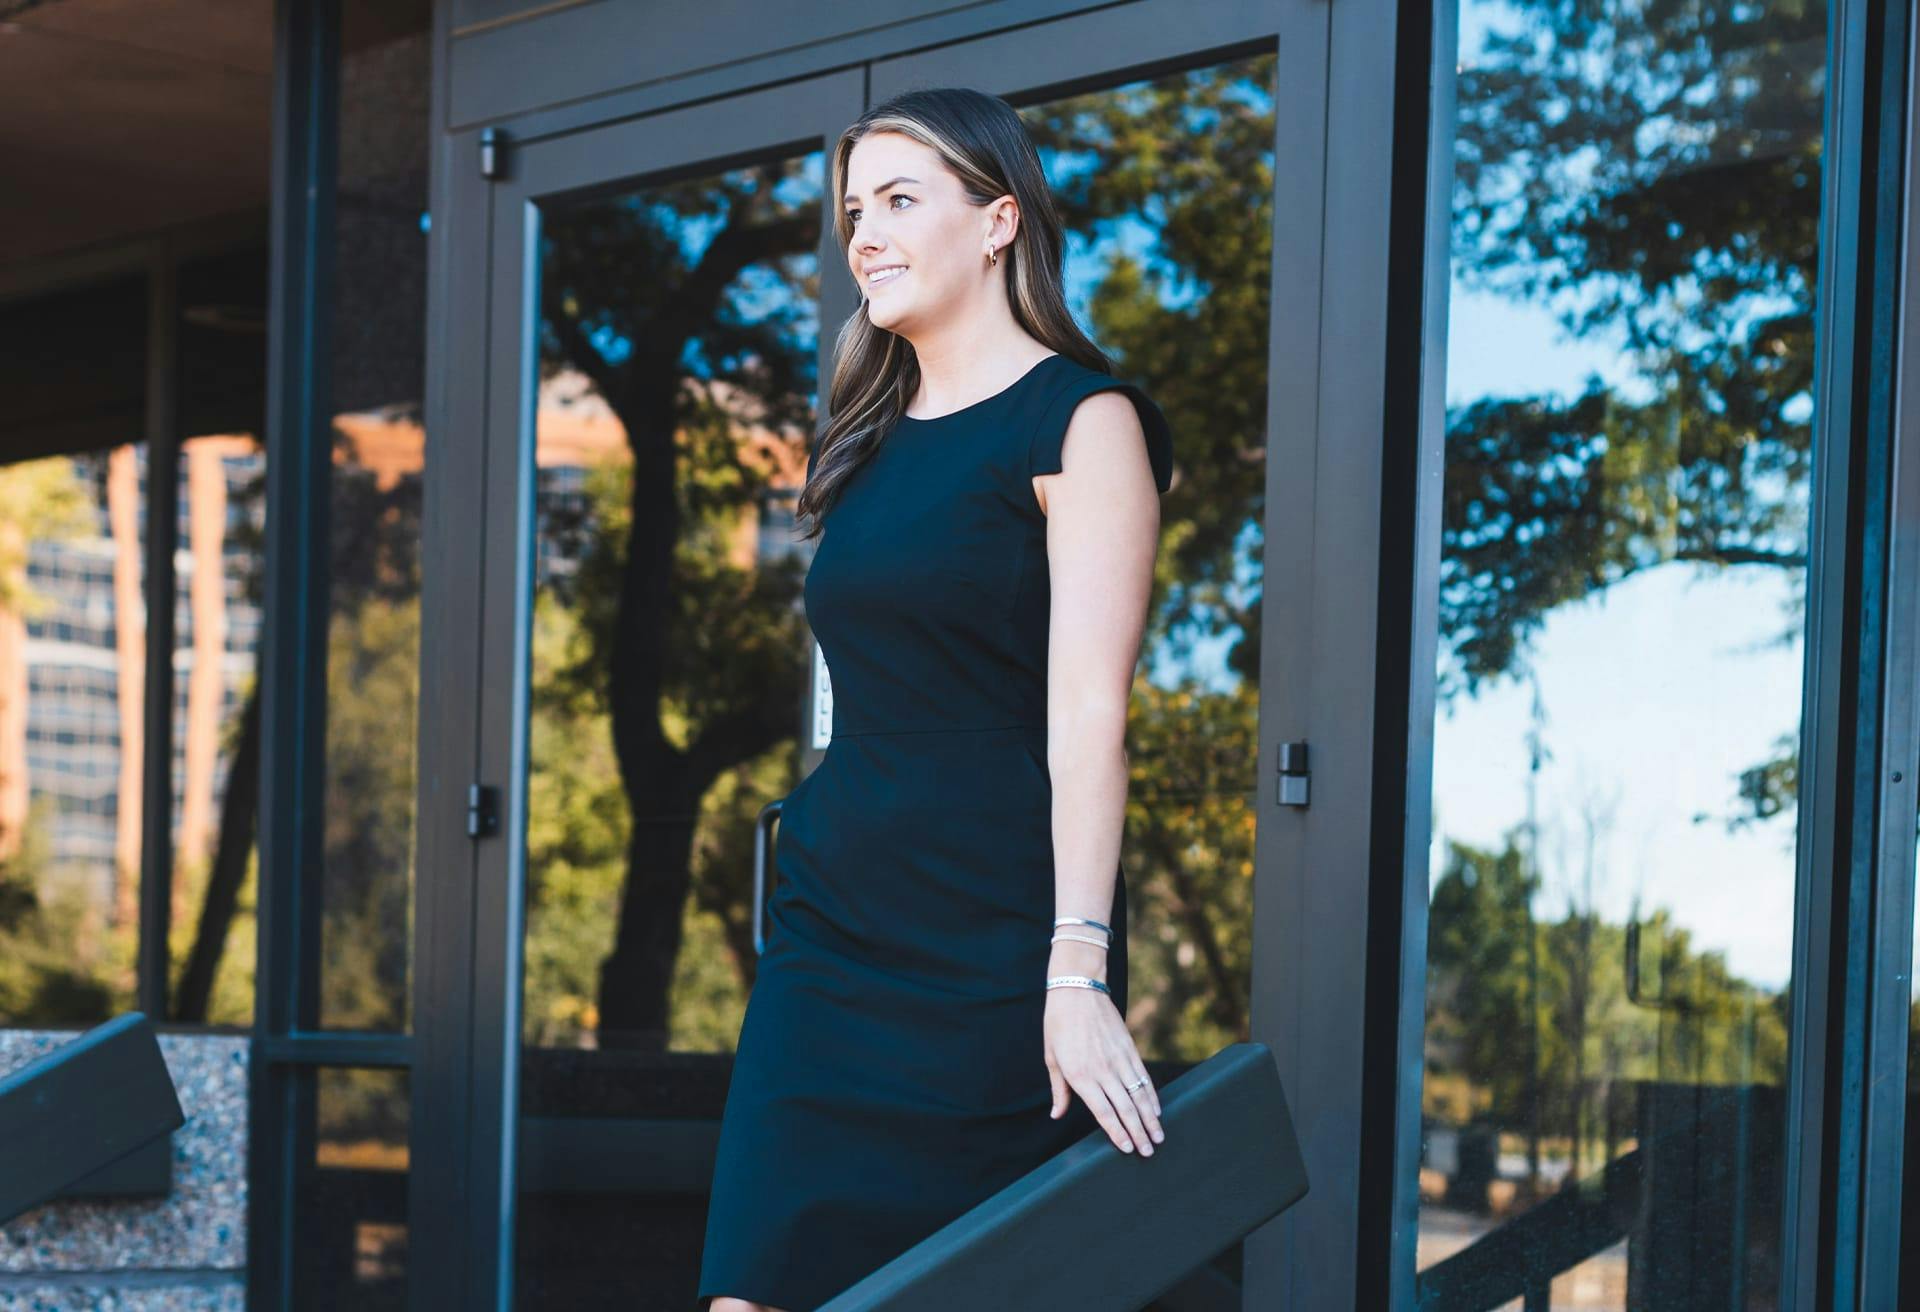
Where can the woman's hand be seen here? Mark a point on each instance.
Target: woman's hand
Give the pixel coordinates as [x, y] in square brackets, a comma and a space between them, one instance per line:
[1090, 1050]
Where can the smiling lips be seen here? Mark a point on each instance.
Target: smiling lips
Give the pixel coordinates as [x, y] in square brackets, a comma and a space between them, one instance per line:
[887, 273]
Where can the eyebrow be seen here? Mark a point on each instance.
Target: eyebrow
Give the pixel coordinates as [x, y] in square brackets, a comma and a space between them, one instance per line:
[849, 198]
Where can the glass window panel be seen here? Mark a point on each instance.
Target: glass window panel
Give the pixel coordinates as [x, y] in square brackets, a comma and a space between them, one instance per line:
[350, 1195]
[74, 367]
[668, 667]
[1635, 222]
[219, 559]
[379, 447]
[1161, 254]
[72, 651]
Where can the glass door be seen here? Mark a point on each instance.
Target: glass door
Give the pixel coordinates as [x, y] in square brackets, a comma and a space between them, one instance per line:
[1629, 573]
[1162, 130]
[664, 294]
[655, 357]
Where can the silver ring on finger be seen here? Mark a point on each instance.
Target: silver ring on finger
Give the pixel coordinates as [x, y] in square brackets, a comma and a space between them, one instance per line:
[1136, 1084]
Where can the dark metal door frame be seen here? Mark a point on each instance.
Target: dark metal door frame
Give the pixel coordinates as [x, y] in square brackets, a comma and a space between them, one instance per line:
[1324, 873]
[1847, 1053]
[1854, 936]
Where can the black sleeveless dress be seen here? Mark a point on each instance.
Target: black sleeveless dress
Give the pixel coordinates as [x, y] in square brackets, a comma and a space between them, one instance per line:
[890, 1072]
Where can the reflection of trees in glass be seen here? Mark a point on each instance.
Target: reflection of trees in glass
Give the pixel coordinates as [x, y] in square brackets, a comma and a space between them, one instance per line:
[1651, 175]
[1189, 869]
[367, 826]
[1710, 1027]
[361, 1118]
[373, 655]
[50, 972]
[691, 309]
[1166, 188]
[215, 976]
[216, 971]
[373, 664]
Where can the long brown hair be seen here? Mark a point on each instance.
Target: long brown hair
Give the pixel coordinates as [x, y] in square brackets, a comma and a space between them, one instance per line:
[983, 140]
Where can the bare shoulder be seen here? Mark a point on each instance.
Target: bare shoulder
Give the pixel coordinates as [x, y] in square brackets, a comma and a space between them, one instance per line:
[1109, 416]
[1108, 426]
[1108, 422]
[1111, 410]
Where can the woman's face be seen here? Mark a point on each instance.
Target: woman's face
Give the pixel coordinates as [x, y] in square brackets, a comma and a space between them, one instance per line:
[909, 215]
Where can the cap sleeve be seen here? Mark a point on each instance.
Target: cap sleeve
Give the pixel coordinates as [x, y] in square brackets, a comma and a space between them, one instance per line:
[1043, 455]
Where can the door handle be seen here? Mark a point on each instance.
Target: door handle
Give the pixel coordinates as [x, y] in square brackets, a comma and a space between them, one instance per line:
[762, 849]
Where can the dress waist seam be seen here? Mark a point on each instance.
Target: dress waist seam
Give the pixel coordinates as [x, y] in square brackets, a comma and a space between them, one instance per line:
[989, 728]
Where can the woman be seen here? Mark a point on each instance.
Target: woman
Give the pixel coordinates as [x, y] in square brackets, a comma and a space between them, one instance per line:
[945, 964]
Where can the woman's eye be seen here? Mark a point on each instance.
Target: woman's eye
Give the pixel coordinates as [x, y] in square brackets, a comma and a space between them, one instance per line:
[853, 215]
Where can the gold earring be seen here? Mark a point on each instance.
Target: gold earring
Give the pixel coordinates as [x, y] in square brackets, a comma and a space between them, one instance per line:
[993, 256]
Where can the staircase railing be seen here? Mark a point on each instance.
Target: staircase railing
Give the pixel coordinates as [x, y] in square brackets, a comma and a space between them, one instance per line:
[74, 1114]
[1695, 1201]
[1134, 1226]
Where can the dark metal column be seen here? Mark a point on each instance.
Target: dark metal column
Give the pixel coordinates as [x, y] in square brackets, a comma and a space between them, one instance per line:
[1420, 281]
[1838, 1055]
[1891, 778]
[293, 661]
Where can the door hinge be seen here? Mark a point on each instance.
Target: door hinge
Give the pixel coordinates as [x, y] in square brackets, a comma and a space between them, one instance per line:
[493, 152]
[483, 810]
[1292, 765]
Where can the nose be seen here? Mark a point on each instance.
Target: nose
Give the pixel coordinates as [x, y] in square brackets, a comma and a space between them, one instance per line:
[866, 241]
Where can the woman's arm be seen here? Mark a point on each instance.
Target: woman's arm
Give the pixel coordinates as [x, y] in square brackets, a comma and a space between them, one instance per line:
[1103, 526]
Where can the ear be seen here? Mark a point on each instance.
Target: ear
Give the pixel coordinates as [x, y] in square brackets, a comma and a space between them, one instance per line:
[1003, 220]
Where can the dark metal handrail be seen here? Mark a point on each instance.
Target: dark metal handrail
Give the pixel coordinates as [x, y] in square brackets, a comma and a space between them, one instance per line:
[1133, 1225]
[1684, 1200]
[1520, 1259]
[80, 1109]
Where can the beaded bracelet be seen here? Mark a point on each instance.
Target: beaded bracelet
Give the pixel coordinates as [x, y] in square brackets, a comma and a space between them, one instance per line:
[1078, 982]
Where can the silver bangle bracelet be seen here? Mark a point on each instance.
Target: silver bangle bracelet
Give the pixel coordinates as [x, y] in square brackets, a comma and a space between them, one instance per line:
[1077, 982]
[1080, 938]
[1080, 920]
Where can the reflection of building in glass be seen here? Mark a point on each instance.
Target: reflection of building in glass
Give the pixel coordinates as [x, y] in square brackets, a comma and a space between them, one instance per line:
[80, 649]
[72, 748]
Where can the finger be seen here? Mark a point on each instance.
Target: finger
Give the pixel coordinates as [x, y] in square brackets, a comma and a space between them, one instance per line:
[1115, 1085]
[1149, 1092]
[1145, 1095]
[1095, 1097]
[1147, 1099]
[1059, 1091]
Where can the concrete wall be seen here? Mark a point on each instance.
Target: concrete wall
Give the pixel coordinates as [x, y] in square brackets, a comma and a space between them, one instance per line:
[185, 1251]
